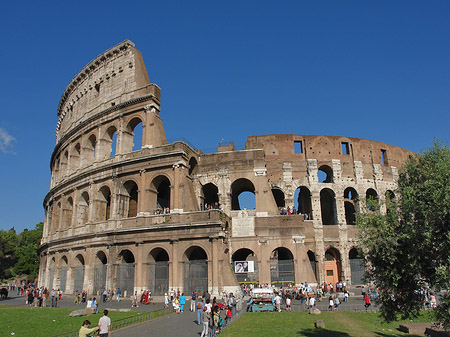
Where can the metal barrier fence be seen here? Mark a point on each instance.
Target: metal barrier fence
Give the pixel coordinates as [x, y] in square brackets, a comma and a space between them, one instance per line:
[122, 322]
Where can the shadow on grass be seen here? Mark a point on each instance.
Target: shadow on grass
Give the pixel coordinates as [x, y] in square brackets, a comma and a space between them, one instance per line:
[322, 333]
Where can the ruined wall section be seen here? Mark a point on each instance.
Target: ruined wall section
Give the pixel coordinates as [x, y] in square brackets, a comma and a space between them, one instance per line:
[112, 78]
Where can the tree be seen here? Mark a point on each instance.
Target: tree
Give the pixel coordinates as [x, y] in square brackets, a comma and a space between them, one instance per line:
[8, 242]
[407, 248]
[26, 252]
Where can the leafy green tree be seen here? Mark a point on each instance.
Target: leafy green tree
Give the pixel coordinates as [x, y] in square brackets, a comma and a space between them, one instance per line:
[8, 242]
[408, 248]
[26, 252]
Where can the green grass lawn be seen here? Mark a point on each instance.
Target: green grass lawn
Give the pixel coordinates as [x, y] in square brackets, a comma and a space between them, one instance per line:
[337, 324]
[46, 322]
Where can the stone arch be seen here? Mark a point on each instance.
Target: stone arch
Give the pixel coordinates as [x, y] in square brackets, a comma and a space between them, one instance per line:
[313, 261]
[325, 174]
[210, 196]
[130, 143]
[63, 266]
[357, 266]
[109, 141]
[193, 166]
[333, 266]
[245, 266]
[158, 271]
[75, 155]
[125, 272]
[328, 207]
[195, 270]
[104, 208]
[160, 186]
[78, 273]
[371, 194]
[390, 195]
[303, 202]
[238, 187]
[51, 270]
[100, 267]
[63, 165]
[90, 147]
[55, 218]
[351, 205]
[68, 213]
[83, 209]
[282, 267]
[133, 201]
[278, 195]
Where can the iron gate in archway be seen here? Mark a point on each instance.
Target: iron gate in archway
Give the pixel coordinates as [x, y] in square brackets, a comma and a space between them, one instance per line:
[63, 279]
[195, 276]
[125, 278]
[78, 278]
[357, 270]
[99, 279]
[158, 277]
[282, 272]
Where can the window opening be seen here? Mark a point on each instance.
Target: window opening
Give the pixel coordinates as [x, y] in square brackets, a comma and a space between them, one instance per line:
[384, 160]
[298, 146]
[345, 148]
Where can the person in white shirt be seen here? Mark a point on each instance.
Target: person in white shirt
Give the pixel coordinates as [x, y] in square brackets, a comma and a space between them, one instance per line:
[104, 325]
[312, 302]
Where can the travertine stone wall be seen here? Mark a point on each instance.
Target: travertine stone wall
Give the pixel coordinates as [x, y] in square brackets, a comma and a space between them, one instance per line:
[108, 205]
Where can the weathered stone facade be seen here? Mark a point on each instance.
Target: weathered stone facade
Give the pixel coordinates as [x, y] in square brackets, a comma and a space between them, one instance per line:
[106, 225]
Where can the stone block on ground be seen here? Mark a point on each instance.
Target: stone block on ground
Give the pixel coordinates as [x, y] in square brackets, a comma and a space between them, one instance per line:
[319, 324]
[431, 329]
[314, 311]
[78, 313]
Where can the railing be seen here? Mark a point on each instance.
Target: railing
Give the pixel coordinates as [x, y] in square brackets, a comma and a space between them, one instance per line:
[121, 323]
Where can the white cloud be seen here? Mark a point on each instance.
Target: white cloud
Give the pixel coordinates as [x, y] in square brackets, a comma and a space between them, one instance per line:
[6, 141]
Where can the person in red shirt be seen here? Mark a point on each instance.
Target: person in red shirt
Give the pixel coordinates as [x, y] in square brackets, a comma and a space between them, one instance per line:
[229, 314]
[366, 301]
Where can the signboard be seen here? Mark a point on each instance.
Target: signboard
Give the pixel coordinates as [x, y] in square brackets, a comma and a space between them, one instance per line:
[241, 267]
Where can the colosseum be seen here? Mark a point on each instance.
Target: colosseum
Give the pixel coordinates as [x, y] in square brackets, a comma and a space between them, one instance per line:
[129, 210]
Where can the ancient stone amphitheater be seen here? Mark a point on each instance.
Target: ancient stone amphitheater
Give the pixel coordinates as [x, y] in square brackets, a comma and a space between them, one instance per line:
[144, 214]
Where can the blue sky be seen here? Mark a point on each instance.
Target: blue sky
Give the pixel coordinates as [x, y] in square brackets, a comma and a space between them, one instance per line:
[227, 69]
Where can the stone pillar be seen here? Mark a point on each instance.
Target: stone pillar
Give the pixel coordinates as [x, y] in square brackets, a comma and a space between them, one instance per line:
[214, 288]
[153, 133]
[140, 275]
[174, 278]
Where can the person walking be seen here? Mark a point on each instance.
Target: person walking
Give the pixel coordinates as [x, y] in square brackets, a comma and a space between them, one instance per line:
[193, 298]
[119, 292]
[200, 309]
[104, 324]
[205, 319]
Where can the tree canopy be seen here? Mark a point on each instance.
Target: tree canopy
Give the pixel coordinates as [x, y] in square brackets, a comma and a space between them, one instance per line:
[407, 248]
[18, 252]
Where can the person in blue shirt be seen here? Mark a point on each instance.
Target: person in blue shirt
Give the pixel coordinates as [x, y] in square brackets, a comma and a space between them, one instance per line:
[182, 302]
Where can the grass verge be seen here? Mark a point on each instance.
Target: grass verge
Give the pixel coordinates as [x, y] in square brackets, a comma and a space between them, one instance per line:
[337, 324]
[46, 322]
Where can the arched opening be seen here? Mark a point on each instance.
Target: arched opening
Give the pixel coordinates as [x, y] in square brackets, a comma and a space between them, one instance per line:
[51, 273]
[278, 195]
[158, 271]
[132, 137]
[78, 272]
[313, 262]
[68, 212]
[390, 196]
[109, 142]
[282, 267]
[75, 157]
[325, 174]
[371, 196]
[91, 147]
[132, 190]
[161, 185]
[100, 266]
[192, 166]
[302, 199]
[195, 270]
[333, 268]
[83, 209]
[351, 205]
[104, 208]
[328, 207]
[125, 273]
[242, 195]
[245, 266]
[357, 266]
[64, 163]
[63, 273]
[210, 196]
[55, 217]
